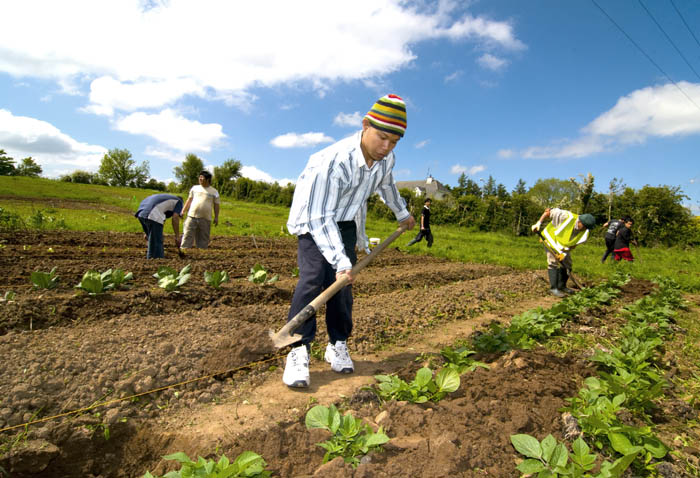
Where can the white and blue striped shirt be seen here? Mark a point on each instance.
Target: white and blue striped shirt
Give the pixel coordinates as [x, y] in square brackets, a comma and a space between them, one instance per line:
[334, 187]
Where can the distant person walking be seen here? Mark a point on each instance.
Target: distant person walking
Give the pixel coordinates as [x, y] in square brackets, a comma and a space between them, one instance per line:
[197, 212]
[610, 235]
[328, 216]
[565, 231]
[152, 214]
[424, 226]
[622, 241]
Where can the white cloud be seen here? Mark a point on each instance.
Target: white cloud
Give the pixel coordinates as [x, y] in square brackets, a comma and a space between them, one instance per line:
[506, 153]
[490, 33]
[251, 172]
[170, 155]
[492, 62]
[295, 140]
[469, 171]
[422, 144]
[171, 129]
[184, 47]
[56, 152]
[453, 76]
[652, 112]
[108, 94]
[349, 119]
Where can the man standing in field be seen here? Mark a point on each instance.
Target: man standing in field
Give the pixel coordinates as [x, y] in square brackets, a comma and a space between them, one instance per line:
[152, 214]
[610, 235]
[424, 226]
[328, 216]
[565, 231]
[201, 201]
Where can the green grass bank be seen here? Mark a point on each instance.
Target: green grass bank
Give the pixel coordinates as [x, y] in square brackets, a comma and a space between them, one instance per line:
[49, 204]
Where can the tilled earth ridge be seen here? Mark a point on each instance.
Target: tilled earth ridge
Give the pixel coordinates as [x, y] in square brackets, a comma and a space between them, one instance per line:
[95, 349]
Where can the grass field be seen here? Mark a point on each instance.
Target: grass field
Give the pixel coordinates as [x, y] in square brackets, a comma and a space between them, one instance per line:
[49, 204]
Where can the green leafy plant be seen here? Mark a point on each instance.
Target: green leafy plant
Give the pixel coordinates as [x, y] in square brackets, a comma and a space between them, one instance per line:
[552, 459]
[494, 340]
[216, 278]
[258, 275]
[422, 389]
[119, 277]
[351, 437]
[9, 296]
[45, 280]
[94, 282]
[247, 465]
[10, 221]
[459, 359]
[170, 280]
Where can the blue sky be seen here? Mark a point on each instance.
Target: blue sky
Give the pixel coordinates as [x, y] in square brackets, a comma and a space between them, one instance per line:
[515, 89]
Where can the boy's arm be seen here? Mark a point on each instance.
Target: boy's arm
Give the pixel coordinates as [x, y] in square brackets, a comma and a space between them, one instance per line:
[186, 207]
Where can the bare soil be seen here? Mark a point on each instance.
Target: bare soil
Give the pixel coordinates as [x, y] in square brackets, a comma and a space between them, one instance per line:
[217, 377]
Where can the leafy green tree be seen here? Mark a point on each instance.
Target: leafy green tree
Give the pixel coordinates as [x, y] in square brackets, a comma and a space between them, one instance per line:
[118, 169]
[7, 164]
[225, 176]
[490, 187]
[520, 187]
[615, 187]
[153, 183]
[188, 173]
[585, 191]
[553, 192]
[28, 167]
[82, 177]
[659, 215]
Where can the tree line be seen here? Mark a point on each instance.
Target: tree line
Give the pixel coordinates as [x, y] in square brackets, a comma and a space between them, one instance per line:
[26, 167]
[658, 212]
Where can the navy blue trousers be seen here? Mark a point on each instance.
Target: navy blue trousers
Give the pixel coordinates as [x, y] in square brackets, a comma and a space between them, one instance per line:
[315, 275]
[154, 231]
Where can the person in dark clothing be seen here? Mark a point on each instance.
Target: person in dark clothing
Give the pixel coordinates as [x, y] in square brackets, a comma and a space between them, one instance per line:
[622, 241]
[424, 226]
[610, 235]
[152, 214]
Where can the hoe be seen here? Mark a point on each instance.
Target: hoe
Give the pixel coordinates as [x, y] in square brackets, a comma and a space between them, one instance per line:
[559, 258]
[286, 336]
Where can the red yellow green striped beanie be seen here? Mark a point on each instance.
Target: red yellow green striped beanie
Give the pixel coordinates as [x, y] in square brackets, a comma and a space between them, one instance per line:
[388, 114]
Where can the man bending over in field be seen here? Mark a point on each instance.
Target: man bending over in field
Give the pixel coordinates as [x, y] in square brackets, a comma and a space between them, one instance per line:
[328, 216]
[565, 231]
[152, 214]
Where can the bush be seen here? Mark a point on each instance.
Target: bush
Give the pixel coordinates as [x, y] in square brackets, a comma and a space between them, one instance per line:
[10, 221]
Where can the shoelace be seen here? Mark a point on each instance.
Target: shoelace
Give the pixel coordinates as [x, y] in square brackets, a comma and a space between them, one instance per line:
[342, 352]
[297, 361]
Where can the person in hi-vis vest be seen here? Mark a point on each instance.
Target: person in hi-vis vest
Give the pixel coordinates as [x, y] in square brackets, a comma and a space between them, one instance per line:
[565, 231]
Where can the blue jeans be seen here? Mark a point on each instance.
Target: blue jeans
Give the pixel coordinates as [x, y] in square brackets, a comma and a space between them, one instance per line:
[154, 232]
[315, 275]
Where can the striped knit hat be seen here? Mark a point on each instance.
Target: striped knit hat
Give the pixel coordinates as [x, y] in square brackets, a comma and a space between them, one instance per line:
[389, 115]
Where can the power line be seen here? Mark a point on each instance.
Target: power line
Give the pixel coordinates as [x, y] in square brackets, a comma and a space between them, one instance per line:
[668, 38]
[685, 23]
[645, 54]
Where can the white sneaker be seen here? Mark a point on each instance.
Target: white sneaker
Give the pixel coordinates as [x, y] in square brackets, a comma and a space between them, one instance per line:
[339, 357]
[296, 370]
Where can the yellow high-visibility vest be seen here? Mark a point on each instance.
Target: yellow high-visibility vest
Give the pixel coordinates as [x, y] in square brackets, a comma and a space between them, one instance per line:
[560, 237]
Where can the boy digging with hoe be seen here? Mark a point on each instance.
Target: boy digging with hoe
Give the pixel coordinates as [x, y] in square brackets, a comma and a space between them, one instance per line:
[328, 216]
